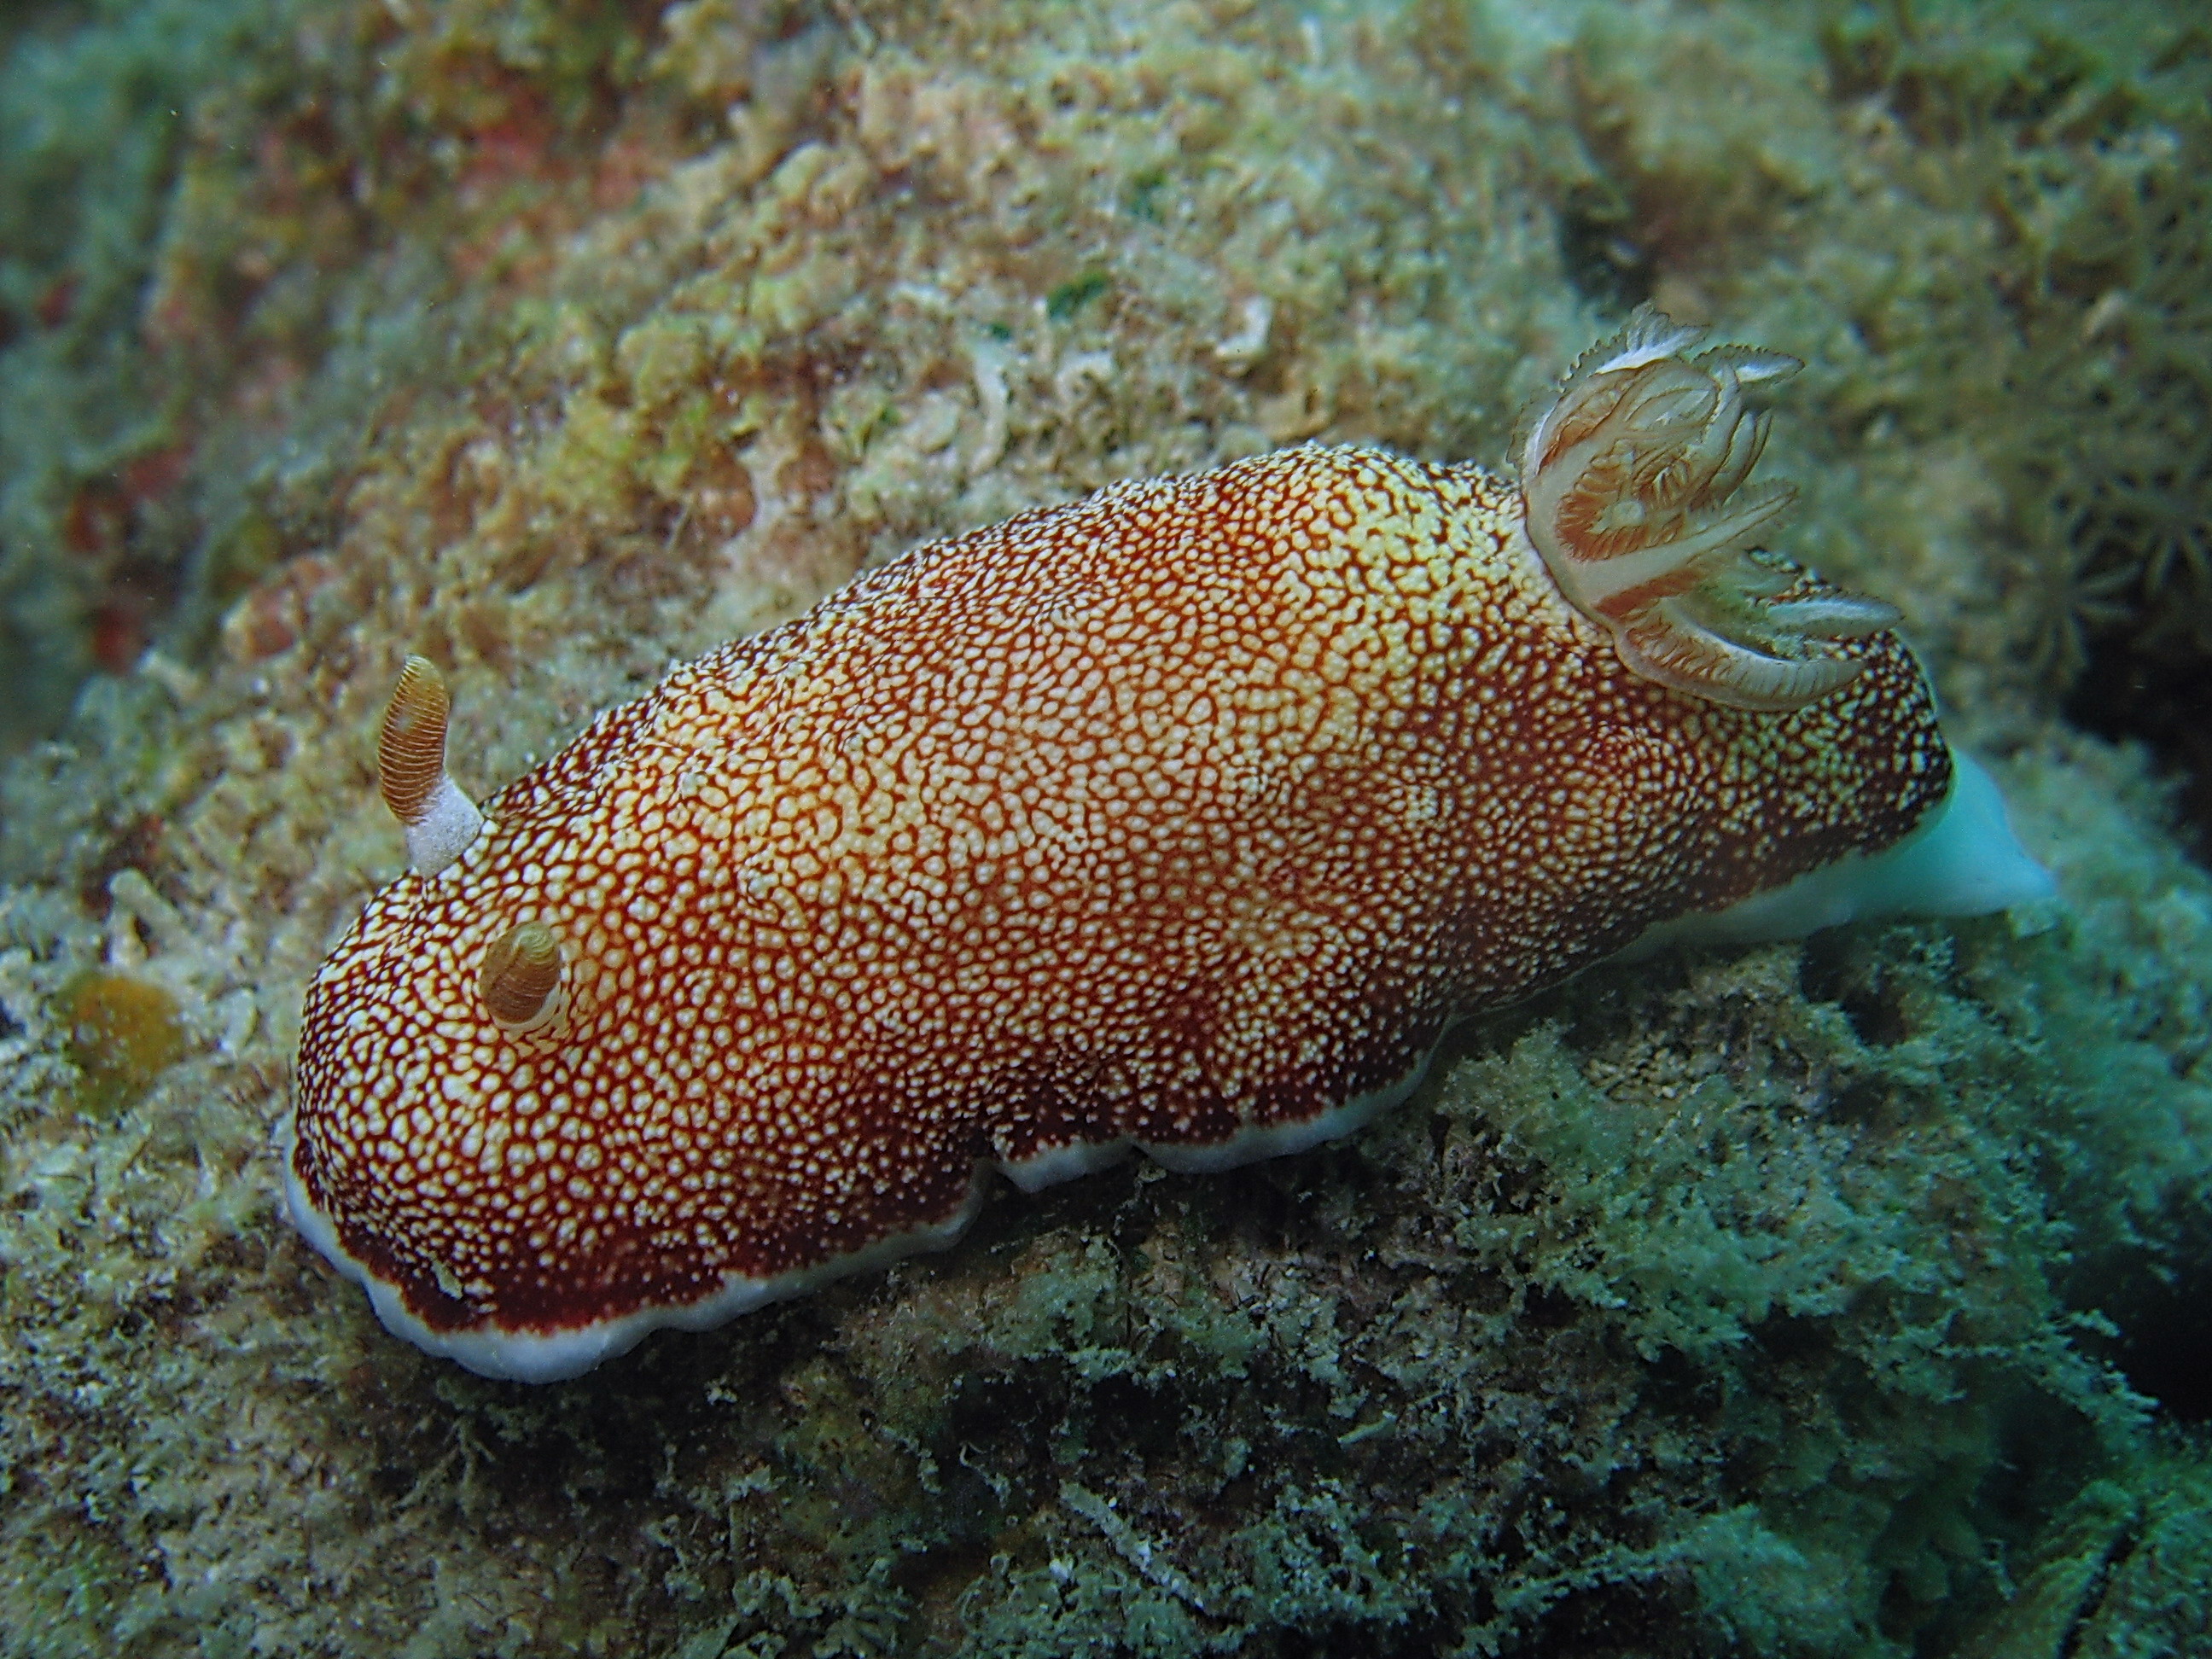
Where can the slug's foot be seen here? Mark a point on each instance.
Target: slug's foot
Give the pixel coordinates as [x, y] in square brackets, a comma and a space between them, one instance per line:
[1632, 480]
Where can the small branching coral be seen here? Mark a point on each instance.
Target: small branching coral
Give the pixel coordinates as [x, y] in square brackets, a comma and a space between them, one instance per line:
[1633, 480]
[2117, 473]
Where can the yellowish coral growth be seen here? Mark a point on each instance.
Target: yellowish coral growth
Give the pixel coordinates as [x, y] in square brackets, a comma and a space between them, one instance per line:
[124, 1033]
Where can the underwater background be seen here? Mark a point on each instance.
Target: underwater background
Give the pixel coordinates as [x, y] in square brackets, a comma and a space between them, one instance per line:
[1842, 1296]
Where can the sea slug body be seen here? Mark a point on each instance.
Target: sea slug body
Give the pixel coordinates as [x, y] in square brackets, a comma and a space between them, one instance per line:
[1184, 818]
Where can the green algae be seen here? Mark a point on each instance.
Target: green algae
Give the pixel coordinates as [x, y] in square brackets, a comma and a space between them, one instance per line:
[1788, 1301]
[1070, 296]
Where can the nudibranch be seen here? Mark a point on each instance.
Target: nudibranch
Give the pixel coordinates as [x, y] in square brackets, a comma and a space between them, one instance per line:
[1184, 818]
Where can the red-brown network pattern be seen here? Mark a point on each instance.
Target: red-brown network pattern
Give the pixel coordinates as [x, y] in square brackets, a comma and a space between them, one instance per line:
[1185, 817]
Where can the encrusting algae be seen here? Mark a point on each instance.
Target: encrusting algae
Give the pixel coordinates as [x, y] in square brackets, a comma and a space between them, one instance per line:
[1790, 1299]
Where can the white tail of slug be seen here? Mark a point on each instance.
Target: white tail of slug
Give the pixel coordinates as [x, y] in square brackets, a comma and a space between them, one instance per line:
[1632, 482]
